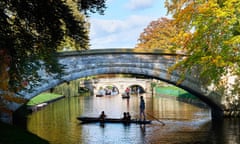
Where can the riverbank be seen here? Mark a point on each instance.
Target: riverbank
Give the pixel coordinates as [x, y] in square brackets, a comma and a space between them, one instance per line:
[35, 104]
[17, 133]
[10, 134]
[179, 94]
[42, 100]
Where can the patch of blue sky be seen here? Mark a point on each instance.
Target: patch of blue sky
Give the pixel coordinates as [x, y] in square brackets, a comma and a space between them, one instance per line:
[123, 22]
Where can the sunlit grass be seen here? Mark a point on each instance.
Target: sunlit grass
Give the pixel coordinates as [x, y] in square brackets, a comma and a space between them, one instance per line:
[43, 97]
[174, 91]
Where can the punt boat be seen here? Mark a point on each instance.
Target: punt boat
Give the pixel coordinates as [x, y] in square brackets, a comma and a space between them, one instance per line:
[111, 120]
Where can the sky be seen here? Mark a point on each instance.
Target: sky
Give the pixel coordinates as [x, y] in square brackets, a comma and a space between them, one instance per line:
[123, 21]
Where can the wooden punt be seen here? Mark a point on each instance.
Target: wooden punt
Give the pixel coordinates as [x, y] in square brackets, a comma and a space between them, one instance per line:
[111, 120]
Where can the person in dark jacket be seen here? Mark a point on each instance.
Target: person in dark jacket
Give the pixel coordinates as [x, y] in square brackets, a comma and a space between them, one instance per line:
[142, 108]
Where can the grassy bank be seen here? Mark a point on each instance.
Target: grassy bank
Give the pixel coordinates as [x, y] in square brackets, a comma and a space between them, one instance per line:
[43, 97]
[180, 95]
[10, 134]
[174, 91]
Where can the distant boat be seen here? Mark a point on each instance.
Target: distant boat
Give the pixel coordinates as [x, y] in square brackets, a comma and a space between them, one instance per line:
[99, 95]
[108, 93]
[124, 95]
[111, 120]
[41, 105]
[37, 107]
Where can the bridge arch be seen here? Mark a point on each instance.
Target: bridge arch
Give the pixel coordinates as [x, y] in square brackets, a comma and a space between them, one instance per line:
[136, 88]
[125, 61]
[121, 84]
[114, 90]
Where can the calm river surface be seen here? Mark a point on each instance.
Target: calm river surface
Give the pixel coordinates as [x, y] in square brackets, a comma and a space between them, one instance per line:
[184, 123]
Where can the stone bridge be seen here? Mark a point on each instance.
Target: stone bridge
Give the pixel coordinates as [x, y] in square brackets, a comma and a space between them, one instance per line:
[121, 84]
[125, 61]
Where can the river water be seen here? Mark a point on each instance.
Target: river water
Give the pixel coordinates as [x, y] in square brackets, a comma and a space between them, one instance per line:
[173, 122]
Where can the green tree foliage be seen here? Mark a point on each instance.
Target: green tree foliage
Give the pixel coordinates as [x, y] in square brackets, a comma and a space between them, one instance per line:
[31, 33]
[210, 34]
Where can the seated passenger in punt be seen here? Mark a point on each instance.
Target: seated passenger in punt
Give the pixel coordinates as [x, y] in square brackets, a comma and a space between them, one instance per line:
[102, 116]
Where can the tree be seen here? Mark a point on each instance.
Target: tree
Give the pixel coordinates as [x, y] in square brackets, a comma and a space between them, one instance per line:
[210, 35]
[159, 34]
[31, 33]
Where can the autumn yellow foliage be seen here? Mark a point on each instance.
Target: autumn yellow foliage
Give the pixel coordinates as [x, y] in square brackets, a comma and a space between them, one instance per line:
[210, 34]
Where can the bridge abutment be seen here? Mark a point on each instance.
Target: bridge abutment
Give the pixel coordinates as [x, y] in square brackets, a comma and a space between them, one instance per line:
[217, 114]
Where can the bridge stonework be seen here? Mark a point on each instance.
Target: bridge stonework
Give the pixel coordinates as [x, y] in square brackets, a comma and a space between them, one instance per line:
[125, 61]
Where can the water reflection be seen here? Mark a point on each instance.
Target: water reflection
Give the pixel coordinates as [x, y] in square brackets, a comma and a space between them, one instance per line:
[225, 132]
[184, 123]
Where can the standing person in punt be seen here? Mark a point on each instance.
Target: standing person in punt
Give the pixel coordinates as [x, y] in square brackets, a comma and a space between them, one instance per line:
[142, 108]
